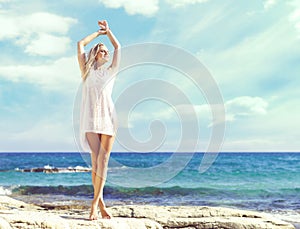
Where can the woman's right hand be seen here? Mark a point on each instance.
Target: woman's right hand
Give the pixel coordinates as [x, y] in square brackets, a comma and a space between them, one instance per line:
[103, 25]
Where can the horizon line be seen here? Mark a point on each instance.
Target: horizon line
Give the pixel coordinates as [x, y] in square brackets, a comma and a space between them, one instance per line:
[152, 152]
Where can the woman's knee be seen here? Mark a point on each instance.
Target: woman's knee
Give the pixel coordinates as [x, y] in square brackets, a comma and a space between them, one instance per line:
[106, 143]
[94, 162]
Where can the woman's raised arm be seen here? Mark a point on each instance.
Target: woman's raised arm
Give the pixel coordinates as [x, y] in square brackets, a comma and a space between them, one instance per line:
[80, 48]
[117, 50]
[114, 41]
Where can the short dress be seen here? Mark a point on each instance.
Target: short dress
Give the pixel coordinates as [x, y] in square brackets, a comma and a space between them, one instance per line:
[97, 113]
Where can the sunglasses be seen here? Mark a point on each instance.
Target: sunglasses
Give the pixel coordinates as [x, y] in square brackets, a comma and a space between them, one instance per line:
[104, 51]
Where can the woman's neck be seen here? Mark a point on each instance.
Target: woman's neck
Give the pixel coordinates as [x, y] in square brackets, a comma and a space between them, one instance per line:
[98, 65]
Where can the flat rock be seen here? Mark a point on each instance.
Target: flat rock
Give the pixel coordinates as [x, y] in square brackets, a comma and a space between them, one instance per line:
[8, 203]
[202, 217]
[31, 219]
[17, 214]
[4, 224]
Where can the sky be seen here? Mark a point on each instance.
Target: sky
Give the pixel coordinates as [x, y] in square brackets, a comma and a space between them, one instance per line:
[250, 48]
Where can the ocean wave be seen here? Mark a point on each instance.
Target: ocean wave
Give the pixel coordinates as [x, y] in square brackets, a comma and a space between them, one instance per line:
[50, 169]
[175, 195]
[110, 190]
[5, 191]
[118, 191]
[54, 190]
[116, 168]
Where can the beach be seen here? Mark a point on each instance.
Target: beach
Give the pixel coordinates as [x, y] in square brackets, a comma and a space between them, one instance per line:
[240, 190]
[18, 214]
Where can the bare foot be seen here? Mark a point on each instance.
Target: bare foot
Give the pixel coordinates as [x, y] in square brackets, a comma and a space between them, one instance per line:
[93, 214]
[104, 213]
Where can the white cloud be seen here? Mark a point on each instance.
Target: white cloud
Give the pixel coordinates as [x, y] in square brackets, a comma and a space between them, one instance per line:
[243, 66]
[48, 45]
[269, 3]
[62, 74]
[239, 106]
[245, 106]
[294, 16]
[46, 22]
[144, 7]
[235, 108]
[50, 133]
[181, 3]
[254, 144]
[275, 131]
[3, 1]
[14, 26]
[8, 26]
[169, 113]
[23, 29]
[253, 49]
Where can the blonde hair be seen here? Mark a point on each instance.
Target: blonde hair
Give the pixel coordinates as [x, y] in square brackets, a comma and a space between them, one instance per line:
[91, 59]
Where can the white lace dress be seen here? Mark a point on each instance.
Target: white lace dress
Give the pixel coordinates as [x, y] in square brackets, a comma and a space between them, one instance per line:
[97, 108]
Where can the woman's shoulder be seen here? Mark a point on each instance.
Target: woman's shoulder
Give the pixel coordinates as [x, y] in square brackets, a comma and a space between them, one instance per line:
[112, 71]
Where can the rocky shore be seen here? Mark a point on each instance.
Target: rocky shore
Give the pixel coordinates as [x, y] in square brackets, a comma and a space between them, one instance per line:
[17, 214]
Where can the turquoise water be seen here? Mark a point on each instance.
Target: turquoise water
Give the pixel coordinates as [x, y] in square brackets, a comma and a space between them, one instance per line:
[258, 181]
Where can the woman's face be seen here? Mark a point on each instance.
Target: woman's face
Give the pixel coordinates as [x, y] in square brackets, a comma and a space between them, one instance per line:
[102, 54]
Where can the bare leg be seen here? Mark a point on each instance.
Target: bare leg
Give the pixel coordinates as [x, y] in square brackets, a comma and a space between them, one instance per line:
[100, 178]
[94, 143]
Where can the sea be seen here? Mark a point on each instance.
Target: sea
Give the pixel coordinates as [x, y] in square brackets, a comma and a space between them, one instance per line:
[266, 182]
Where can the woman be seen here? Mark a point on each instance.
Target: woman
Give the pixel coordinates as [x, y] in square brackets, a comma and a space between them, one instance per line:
[97, 117]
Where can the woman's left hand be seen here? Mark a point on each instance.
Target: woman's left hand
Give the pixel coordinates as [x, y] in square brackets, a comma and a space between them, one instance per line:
[103, 25]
